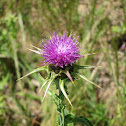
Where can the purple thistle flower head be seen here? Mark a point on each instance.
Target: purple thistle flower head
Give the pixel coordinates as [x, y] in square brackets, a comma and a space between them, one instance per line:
[61, 50]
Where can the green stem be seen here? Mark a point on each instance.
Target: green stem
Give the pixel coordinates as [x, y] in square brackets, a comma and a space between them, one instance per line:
[61, 108]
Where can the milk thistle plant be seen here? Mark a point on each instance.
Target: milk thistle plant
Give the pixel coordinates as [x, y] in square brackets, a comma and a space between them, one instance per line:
[61, 52]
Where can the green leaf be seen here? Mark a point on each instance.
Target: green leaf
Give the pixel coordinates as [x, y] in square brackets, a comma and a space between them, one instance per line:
[116, 29]
[73, 119]
[4, 81]
[63, 90]
[70, 124]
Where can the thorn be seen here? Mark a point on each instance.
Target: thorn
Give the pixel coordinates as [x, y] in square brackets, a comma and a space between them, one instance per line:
[90, 81]
[69, 76]
[35, 47]
[47, 90]
[35, 51]
[90, 54]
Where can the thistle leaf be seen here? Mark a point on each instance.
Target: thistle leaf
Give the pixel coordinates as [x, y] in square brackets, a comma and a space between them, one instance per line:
[63, 91]
[83, 77]
[74, 119]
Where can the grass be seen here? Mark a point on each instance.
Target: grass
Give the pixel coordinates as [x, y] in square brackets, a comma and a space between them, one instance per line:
[24, 22]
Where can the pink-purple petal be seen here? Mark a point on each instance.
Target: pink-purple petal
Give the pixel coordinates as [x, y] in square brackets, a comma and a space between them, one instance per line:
[61, 50]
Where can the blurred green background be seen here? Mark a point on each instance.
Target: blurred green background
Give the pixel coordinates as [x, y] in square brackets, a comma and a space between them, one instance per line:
[101, 27]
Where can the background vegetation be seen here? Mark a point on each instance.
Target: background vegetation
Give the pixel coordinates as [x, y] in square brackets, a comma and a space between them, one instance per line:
[101, 27]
